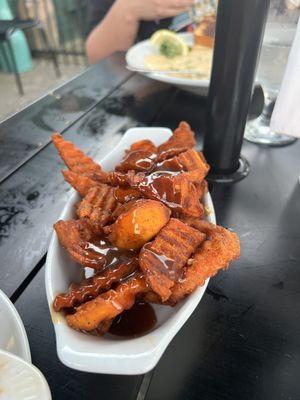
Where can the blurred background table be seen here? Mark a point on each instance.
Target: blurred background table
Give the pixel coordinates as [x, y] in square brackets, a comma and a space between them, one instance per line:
[242, 342]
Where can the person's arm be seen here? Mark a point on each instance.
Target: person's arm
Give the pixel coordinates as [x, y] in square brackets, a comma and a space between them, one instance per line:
[118, 30]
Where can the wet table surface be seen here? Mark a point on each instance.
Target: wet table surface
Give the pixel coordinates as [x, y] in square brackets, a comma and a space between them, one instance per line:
[242, 341]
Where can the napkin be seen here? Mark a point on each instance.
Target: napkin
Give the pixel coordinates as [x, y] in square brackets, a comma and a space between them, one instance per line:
[286, 116]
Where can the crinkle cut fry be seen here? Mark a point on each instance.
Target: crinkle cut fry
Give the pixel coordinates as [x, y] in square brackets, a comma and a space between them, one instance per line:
[82, 184]
[144, 145]
[124, 180]
[140, 157]
[190, 203]
[176, 191]
[75, 237]
[108, 305]
[74, 158]
[195, 165]
[182, 139]
[124, 195]
[190, 163]
[214, 254]
[98, 206]
[92, 287]
[163, 259]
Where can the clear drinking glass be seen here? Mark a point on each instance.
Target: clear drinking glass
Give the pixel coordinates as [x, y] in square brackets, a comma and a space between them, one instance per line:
[276, 46]
[201, 9]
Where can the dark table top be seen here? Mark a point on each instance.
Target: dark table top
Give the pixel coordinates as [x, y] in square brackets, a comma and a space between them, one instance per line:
[243, 340]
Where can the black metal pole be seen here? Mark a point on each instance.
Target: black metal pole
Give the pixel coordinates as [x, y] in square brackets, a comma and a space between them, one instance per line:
[239, 32]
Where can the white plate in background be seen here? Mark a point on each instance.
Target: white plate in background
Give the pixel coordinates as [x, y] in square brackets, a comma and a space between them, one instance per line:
[135, 57]
[13, 338]
[130, 356]
[20, 380]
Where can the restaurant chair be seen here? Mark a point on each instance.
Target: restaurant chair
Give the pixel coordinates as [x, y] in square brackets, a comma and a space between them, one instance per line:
[8, 27]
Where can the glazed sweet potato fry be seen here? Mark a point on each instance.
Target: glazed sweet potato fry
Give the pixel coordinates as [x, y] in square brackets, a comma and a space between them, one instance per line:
[140, 157]
[191, 162]
[163, 259]
[90, 288]
[214, 254]
[140, 161]
[108, 305]
[201, 188]
[76, 237]
[97, 206]
[143, 145]
[123, 195]
[82, 184]
[189, 202]
[174, 190]
[74, 158]
[124, 180]
[139, 224]
[182, 139]
[195, 165]
[139, 227]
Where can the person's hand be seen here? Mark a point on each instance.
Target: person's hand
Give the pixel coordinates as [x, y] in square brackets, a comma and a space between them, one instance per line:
[157, 9]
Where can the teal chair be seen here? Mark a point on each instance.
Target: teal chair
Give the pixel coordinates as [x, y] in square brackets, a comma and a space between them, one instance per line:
[7, 28]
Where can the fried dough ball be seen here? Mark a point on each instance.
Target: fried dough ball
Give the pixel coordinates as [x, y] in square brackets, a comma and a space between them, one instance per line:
[139, 224]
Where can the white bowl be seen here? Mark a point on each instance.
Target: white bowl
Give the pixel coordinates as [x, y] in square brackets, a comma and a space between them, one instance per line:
[13, 336]
[108, 354]
[20, 380]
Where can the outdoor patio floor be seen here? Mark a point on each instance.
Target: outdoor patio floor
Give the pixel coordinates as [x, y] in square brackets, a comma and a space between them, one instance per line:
[36, 83]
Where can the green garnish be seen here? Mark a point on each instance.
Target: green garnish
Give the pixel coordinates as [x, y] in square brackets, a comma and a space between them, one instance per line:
[169, 49]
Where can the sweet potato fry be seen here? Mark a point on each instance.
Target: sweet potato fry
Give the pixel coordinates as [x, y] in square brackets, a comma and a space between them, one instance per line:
[140, 157]
[98, 206]
[191, 162]
[170, 164]
[163, 259]
[214, 254]
[174, 190]
[90, 288]
[143, 253]
[138, 225]
[124, 180]
[181, 140]
[195, 165]
[108, 305]
[201, 188]
[123, 195]
[152, 297]
[82, 184]
[76, 237]
[143, 145]
[140, 161]
[74, 158]
[189, 202]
